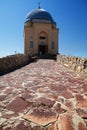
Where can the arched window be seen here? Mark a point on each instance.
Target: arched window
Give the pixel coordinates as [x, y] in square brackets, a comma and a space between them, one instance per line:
[43, 36]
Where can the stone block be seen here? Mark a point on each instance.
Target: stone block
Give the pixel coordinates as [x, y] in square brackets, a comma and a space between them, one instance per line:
[81, 101]
[17, 105]
[41, 116]
[45, 102]
[82, 113]
[65, 122]
[82, 126]
[53, 126]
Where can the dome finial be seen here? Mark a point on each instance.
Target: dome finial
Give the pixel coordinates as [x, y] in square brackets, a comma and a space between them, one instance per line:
[39, 5]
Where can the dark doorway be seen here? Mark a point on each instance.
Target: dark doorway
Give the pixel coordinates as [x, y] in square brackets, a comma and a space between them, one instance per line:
[43, 49]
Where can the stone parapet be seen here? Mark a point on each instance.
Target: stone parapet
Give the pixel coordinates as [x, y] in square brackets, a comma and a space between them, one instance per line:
[76, 63]
[12, 62]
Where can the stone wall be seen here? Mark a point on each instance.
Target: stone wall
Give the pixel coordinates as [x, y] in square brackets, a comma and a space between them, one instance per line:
[76, 63]
[12, 62]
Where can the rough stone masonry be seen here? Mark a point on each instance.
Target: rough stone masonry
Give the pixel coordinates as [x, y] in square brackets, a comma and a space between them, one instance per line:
[44, 95]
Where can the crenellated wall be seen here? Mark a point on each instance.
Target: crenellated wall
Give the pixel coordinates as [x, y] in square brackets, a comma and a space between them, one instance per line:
[76, 63]
[12, 62]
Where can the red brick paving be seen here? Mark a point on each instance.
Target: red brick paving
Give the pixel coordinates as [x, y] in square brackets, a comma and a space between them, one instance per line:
[43, 96]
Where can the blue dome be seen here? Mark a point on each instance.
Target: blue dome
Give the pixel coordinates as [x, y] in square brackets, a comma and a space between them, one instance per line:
[40, 14]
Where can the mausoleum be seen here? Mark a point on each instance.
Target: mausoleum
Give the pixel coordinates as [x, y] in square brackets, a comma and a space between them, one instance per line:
[40, 33]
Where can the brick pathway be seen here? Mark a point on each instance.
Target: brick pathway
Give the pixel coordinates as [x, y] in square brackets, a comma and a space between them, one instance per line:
[43, 96]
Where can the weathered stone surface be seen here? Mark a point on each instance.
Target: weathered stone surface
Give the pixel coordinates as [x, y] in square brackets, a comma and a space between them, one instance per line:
[82, 126]
[81, 101]
[67, 95]
[85, 87]
[35, 128]
[70, 105]
[17, 105]
[59, 109]
[12, 62]
[53, 127]
[45, 95]
[21, 126]
[65, 122]
[82, 113]
[7, 128]
[46, 102]
[2, 97]
[76, 63]
[59, 88]
[8, 91]
[71, 121]
[41, 116]
[8, 114]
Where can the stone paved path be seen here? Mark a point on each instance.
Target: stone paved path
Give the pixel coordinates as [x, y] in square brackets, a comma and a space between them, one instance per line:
[43, 96]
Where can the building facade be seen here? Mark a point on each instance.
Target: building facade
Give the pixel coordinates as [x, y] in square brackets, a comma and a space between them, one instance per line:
[40, 33]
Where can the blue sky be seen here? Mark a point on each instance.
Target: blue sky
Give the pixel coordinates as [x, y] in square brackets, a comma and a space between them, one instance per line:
[70, 16]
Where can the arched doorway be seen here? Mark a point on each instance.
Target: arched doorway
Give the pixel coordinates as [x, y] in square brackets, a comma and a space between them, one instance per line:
[43, 43]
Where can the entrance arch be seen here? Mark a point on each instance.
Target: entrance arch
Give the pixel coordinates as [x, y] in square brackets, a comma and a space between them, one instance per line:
[43, 43]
